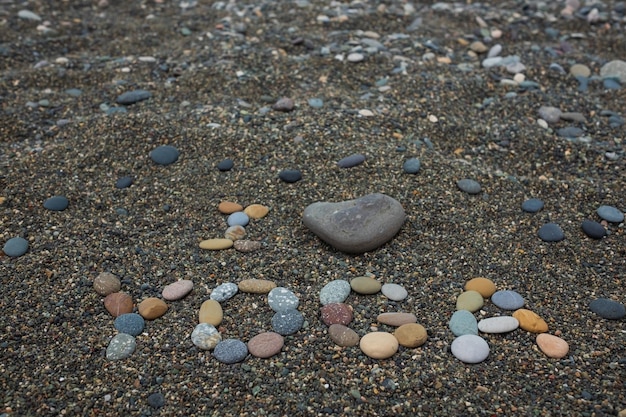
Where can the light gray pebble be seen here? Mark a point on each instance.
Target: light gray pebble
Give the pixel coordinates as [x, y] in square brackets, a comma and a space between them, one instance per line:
[280, 299]
[335, 292]
[205, 336]
[230, 351]
[610, 214]
[507, 300]
[224, 291]
[394, 292]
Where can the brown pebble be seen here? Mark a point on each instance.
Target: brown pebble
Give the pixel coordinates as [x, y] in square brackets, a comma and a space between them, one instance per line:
[211, 312]
[284, 104]
[411, 335]
[247, 245]
[118, 303]
[396, 319]
[530, 321]
[256, 211]
[228, 207]
[484, 286]
[152, 308]
[256, 286]
[216, 244]
[106, 283]
[336, 313]
[266, 345]
[342, 335]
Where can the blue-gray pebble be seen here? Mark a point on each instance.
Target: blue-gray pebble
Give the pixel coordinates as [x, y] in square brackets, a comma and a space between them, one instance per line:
[351, 161]
[130, 323]
[226, 165]
[593, 229]
[411, 166]
[281, 298]
[335, 292]
[238, 218]
[532, 205]
[124, 182]
[316, 103]
[290, 175]
[16, 246]
[469, 186]
[551, 232]
[463, 322]
[164, 155]
[610, 214]
[507, 300]
[287, 322]
[570, 132]
[224, 292]
[156, 400]
[608, 309]
[134, 96]
[56, 203]
[230, 351]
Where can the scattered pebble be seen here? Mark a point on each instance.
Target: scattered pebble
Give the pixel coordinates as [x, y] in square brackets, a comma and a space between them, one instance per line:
[235, 233]
[284, 104]
[615, 68]
[56, 203]
[336, 313]
[216, 244]
[164, 155]
[121, 347]
[177, 290]
[205, 336]
[351, 161]
[484, 286]
[256, 286]
[130, 323]
[507, 300]
[593, 229]
[16, 246]
[230, 351]
[552, 346]
[355, 57]
[211, 312]
[379, 345]
[290, 175]
[470, 301]
[411, 166]
[265, 345]
[532, 205]
[469, 186]
[551, 232]
[316, 103]
[118, 303]
[228, 207]
[247, 245]
[549, 114]
[580, 70]
[335, 292]
[124, 182]
[28, 15]
[238, 218]
[608, 309]
[256, 211]
[610, 214]
[342, 335]
[530, 321]
[396, 319]
[224, 291]
[156, 400]
[132, 97]
[365, 285]
[470, 348]
[225, 165]
[281, 298]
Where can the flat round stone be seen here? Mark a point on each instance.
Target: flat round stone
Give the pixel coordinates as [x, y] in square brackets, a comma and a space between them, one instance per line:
[164, 155]
[216, 244]
[177, 290]
[500, 324]
[530, 321]
[507, 300]
[287, 322]
[593, 229]
[16, 246]
[228, 207]
[336, 313]
[351, 161]
[152, 308]
[463, 322]
[265, 345]
[225, 165]
[365, 285]
[121, 347]
[281, 298]
[394, 292]
[610, 214]
[470, 348]
[482, 285]
[56, 203]
[608, 309]
[335, 292]
[211, 312]
[130, 323]
[552, 346]
[411, 166]
[256, 211]
[411, 335]
[470, 301]
[290, 175]
[396, 319]
[124, 182]
[469, 186]
[379, 345]
[238, 218]
[224, 292]
[118, 303]
[205, 336]
[230, 351]
[342, 335]
[133, 96]
[256, 286]
[551, 232]
[106, 283]
[532, 205]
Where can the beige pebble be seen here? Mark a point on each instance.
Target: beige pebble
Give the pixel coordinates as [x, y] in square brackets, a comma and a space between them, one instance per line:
[106, 283]
[411, 335]
[211, 312]
[235, 232]
[247, 245]
[365, 285]
[470, 300]
[216, 244]
[152, 308]
[379, 345]
[228, 207]
[484, 286]
[118, 303]
[580, 70]
[478, 47]
[396, 319]
[530, 321]
[256, 286]
[552, 346]
[256, 211]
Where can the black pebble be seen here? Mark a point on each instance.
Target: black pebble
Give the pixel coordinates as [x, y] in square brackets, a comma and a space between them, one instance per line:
[226, 165]
[124, 182]
[56, 203]
[608, 309]
[164, 155]
[290, 175]
[551, 232]
[593, 229]
[351, 161]
[156, 400]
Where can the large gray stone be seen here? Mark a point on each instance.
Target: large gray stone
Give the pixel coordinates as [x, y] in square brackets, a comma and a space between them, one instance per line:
[356, 226]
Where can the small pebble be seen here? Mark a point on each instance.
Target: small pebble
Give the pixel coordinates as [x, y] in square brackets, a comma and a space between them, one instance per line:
[290, 175]
[256, 211]
[551, 232]
[507, 300]
[570, 132]
[284, 104]
[355, 57]
[156, 400]
[265, 345]
[124, 182]
[205, 336]
[177, 290]
[152, 308]
[256, 286]
[396, 319]
[287, 322]
[238, 218]
[470, 348]
[411, 335]
[134, 96]
[335, 292]
[580, 70]
[484, 286]
[394, 292]
[281, 298]
[500, 324]
[235, 233]
[469, 186]
[106, 283]
[610, 214]
[411, 166]
[593, 229]
[118, 303]
[228, 207]
[28, 15]
[365, 285]
[130, 323]
[463, 322]
[224, 292]
[351, 161]
[552, 346]
[379, 345]
[549, 114]
[608, 309]
[16, 246]
[211, 312]
[532, 205]
[230, 351]
[121, 347]
[216, 244]
[316, 103]
[615, 68]
[336, 313]
[225, 165]
[342, 335]
[469, 300]
[164, 155]
[530, 321]
[56, 203]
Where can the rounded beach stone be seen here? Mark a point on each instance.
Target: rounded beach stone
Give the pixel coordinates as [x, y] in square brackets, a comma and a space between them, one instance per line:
[118, 303]
[365, 285]
[224, 291]
[256, 211]
[342, 335]
[551, 232]
[507, 300]
[501, 324]
[530, 321]
[550, 114]
[238, 218]
[164, 155]
[290, 175]
[235, 233]
[379, 345]
[470, 301]
[177, 290]
[356, 226]
[246, 246]
[411, 166]
[411, 335]
[552, 346]
[130, 323]
[121, 347]
[281, 298]
[256, 286]
[156, 400]
[482, 285]
[106, 283]
[469, 186]
[463, 322]
[532, 205]
[335, 291]
[228, 207]
[211, 312]
[230, 351]
[216, 244]
[133, 96]
[152, 308]
[205, 336]
[580, 70]
[470, 348]
[225, 165]
[265, 345]
[124, 182]
[593, 229]
[16, 246]
[615, 68]
[284, 104]
[394, 292]
[336, 313]
[287, 322]
[396, 319]
[351, 161]
[608, 309]
[56, 203]
[610, 214]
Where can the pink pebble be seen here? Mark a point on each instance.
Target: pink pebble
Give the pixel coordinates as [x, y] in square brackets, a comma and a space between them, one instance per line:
[177, 290]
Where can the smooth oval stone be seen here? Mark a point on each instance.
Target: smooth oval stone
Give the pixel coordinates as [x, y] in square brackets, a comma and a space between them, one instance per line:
[224, 291]
[134, 96]
[502, 324]
[608, 309]
[177, 290]
[225, 165]
[396, 319]
[482, 285]
[164, 155]
[550, 114]
[235, 233]
[551, 232]
[16, 246]
[316, 103]
[106, 283]
[463, 322]
[342, 335]
[411, 335]
[355, 57]
[469, 186]
[230, 351]
[56, 203]
[570, 132]
[216, 244]
[365, 285]
[290, 175]
[238, 218]
[470, 301]
[580, 70]
[284, 104]
[256, 211]
[552, 346]
[130, 323]
[610, 214]
[256, 286]
[205, 336]
[532, 205]
[411, 166]
[228, 207]
[530, 321]
[281, 298]
[265, 345]
[244, 245]
[507, 300]
[593, 229]
[28, 15]
[336, 313]
[470, 348]
[351, 161]
[394, 292]
[287, 322]
[118, 303]
[156, 400]
[121, 347]
[356, 226]
[124, 182]
[379, 345]
[211, 312]
[152, 308]
[335, 292]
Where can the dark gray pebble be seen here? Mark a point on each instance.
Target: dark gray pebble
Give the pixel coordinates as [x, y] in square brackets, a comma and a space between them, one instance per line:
[551, 232]
[411, 166]
[608, 309]
[570, 132]
[134, 96]
[593, 229]
[287, 322]
[351, 161]
[156, 400]
[16, 246]
[469, 186]
[610, 214]
[130, 323]
[124, 182]
[290, 175]
[56, 203]
[164, 155]
[532, 205]
[230, 351]
[226, 165]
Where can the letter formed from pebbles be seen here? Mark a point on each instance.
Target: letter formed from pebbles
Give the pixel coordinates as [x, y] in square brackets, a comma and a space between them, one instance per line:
[484, 286]
[342, 335]
[470, 348]
[394, 292]
[470, 300]
[238, 218]
[365, 285]
[608, 309]
[610, 214]
[228, 207]
[224, 292]
[16, 246]
[379, 345]
[351, 161]
[256, 211]
[230, 351]
[132, 97]
[164, 155]
[530, 321]
[287, 322]
[411, 166]
[106, 283]
[469, 186]
[500, 324]
[281, 298]
[152, 308]
[205, 336]
[290, 175]
[507, 300]
[411, 335]
[593, 229]
[552, 346]
[211, 312]
[265, 345]
[532, 205]
[356, 226]
[56, 203]
[256, 286]
[336, 313]
[551, 232]
[234, 233]
[130, 323]
[335, 291]
[121, 347]
[463, 322]
[216, 244]
[396, 319]
[177, 290]
[118, 303]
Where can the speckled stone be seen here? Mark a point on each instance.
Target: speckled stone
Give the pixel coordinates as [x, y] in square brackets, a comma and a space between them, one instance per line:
[118, 303]
[224, 291]
[365, 285]
[177, 290]
[608, 309]
[247, 246]
[336, 313]
[130, 323]
[121, 347]
[379, 345]
[507, 300]
[500, 324]
[469, 186]
[470, 348]
[211, 312]
[205, 336]
[470, 301]
[530, 321]
[396, 319]
[463, 322]
[287, 322]
[106, 283]
[230, 351]
[484, 286]
[256, 286]
[152, 308]
[411, 335]
[16, 246]
[216, 244]
[342, 335]
[281, 298]
[335, 292]
[265, 345]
